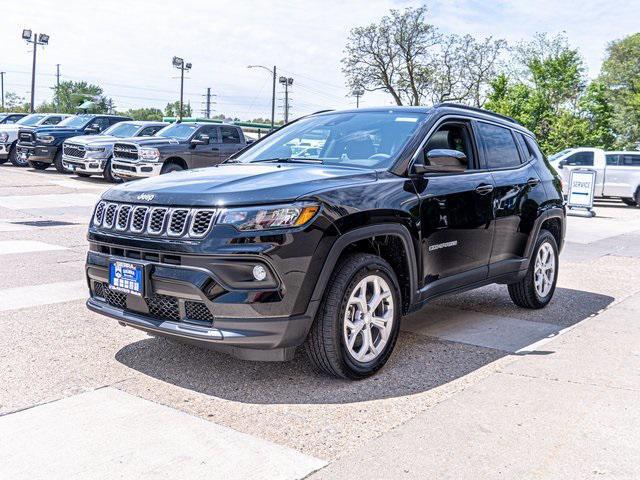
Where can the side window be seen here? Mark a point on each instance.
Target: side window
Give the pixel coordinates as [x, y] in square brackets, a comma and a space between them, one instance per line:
[114, 120]
[612, 160]
[529, 147]
[583, 159]
[101, 122]
[230, 135]
[52, 121]
[630, 160]
[209, 131]
[499, 146]
[148, 131]
[450, 136]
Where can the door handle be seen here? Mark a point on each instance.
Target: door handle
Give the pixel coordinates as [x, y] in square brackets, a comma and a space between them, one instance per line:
[215, 149]
[532, 182]
[484, 188]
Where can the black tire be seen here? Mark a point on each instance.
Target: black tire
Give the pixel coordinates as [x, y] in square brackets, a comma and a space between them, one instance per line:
[630, 202]
[15, 160]
[524, 293]
[82, 175]
[57, 162]
[3, 160]
[637, 197]
[170, 167]
[108, 174]
[325, 344]
[39, 165]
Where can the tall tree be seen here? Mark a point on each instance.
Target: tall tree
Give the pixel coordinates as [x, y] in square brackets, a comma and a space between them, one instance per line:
[144, 114]
[15, 103]
[73, 94]
[173, 109]
[621, 76]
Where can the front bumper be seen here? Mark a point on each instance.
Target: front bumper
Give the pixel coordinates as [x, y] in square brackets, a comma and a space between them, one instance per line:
[94, 166]
[38, 153]
[205, 300]
[135, 169]
[4, 150]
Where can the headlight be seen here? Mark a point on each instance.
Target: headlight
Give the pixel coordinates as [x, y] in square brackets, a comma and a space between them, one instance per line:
[148, 154]
[4, 136]
[45, 138]
[94, 149]
[95, 152]
[264, 218]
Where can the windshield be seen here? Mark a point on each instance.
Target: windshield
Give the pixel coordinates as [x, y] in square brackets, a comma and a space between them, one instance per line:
[358, 139]
[555, 156]
[74, 122]
[122, 130]
[30, 119]
[181, 131]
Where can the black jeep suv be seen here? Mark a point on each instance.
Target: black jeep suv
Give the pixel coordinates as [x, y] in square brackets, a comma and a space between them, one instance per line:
[271, 251]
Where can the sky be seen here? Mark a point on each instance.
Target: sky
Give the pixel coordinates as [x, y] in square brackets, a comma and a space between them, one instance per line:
[126, 47]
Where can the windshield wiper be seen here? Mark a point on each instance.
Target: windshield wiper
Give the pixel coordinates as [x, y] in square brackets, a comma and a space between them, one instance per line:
[288, 160]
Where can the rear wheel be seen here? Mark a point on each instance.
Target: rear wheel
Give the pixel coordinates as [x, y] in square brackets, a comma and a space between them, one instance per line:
[39, 165]
[57, 162]
[358, 321]
[537, 287]
[170, 167]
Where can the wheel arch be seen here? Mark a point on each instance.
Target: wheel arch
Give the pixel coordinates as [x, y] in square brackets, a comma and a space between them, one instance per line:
[177, 161]
[369, 239]
[554, 220]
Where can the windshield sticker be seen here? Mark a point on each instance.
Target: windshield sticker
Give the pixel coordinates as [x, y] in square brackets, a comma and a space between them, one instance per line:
[407, 119]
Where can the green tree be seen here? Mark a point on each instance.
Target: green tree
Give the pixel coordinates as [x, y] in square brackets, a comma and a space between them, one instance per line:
[620, 75]
[173, 109]
[15, 103]
[144, 114]
[73, 94]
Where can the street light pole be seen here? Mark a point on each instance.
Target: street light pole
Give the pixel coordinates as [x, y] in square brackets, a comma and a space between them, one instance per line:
[287, 82]
[36, 39]
[180, 64]
[273, 90]
[2, 87]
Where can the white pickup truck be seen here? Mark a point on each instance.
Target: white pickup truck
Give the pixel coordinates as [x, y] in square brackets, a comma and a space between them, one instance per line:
[617, 173]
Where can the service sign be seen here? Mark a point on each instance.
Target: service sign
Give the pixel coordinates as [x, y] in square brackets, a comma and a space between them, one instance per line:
[581, 187]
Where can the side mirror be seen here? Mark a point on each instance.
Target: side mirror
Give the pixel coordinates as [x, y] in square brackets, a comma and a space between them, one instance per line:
[561, 164]
[93, 128]
[442, 160]
[200, 140]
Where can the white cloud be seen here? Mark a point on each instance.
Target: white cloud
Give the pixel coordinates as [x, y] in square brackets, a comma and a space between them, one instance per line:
[127, 46]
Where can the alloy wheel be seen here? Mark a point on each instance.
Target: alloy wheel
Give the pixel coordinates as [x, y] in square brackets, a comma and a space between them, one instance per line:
[544, 269]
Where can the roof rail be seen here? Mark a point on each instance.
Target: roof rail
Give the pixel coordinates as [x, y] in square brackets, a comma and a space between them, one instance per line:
[476, 109]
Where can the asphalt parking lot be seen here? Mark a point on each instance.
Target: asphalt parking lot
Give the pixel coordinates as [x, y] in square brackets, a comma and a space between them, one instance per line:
[477, 388]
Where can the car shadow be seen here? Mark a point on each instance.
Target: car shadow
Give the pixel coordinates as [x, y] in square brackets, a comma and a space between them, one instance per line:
[418, 364]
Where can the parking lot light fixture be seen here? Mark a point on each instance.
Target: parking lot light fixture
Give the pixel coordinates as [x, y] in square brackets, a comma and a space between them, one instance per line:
[41, 39]
[180, 64]
[273, 90]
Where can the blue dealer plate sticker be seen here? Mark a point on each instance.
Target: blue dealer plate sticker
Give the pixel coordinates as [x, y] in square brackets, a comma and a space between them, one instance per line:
[126, 277]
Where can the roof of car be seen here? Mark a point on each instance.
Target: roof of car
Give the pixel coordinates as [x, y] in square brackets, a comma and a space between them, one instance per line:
[622, 152]
[145, 122]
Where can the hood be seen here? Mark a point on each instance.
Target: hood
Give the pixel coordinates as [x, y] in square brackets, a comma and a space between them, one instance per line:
[150, 141]
[54, 128]
[13, 127]
[94, 140]
[238, 184]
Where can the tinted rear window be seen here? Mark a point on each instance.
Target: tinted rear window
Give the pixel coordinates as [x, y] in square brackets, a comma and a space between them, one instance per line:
[499, 146]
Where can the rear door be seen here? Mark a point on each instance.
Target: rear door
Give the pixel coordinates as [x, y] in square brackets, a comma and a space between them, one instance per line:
[456, 215]
[517, 195]
[621, 175]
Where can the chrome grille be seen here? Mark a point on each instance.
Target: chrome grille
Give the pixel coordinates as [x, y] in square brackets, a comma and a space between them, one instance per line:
[201, 222]
[125, 151]
[71, 150]
[157, 220]
[176, 222]
[123, 217]
[139, 217]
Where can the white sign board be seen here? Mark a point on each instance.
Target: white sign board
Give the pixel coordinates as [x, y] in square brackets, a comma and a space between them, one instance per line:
[581, 187]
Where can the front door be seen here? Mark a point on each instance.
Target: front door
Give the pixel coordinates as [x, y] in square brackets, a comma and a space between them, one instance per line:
[230, 142]
[456, 215]
[207, 153]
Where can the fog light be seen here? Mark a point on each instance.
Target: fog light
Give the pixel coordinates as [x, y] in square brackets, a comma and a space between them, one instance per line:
[259, 273]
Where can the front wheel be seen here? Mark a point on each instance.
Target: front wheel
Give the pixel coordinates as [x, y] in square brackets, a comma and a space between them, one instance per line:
[170, 167]
[629, 201]
[537, 287]
[15, 159]
[358, 321]
[57, 162]
[108, 174]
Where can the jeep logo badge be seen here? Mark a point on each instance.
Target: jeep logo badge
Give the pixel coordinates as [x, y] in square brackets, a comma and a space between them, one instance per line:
[147, 197]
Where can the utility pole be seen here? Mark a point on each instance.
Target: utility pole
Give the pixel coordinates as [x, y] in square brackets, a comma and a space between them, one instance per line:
[273, 90]
[2, 87]
[180, 64]
[41, 39]
[57, 87]
[287, 82]
[358, 93]
[208, 112]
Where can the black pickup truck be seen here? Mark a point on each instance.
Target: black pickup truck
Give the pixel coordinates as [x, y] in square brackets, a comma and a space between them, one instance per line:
[42, 146]
[179, 146]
